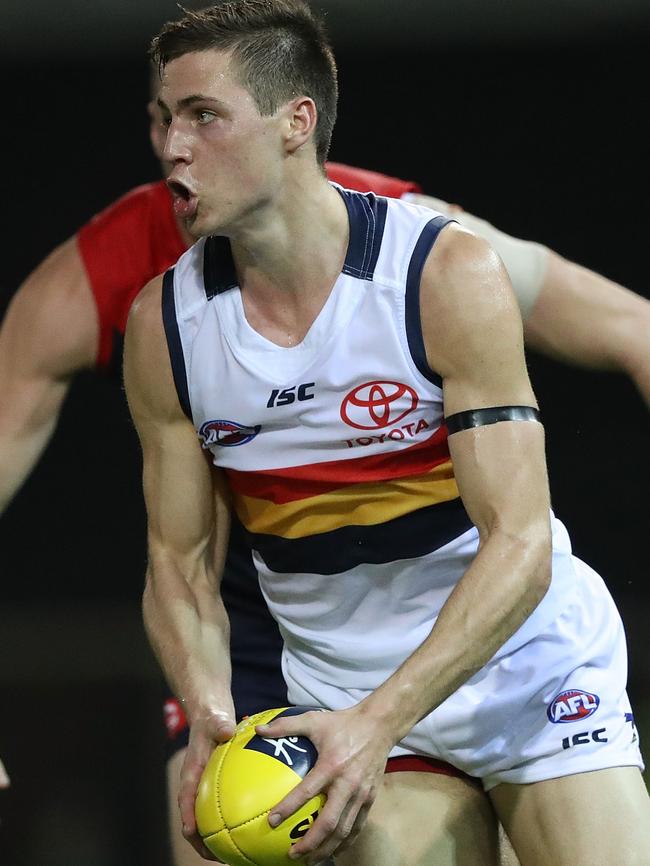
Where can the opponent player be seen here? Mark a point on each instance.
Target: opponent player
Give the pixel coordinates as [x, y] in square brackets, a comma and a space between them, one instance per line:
[362, 314]
[70, 313]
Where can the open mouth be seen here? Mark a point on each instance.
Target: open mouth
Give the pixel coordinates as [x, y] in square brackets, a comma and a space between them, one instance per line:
[185, 201]
[179, 190]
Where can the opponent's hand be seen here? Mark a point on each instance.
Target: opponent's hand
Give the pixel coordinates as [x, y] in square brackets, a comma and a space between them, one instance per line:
[4, 777]
[205, 733]
[352, 751]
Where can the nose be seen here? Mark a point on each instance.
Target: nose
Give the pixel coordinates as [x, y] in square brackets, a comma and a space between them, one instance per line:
[177, 145]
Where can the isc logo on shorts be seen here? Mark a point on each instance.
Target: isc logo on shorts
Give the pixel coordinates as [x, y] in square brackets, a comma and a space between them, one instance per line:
[572, 706]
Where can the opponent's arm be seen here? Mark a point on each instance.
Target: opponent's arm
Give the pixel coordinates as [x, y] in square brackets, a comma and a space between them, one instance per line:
[188, 524]
[526, 261]
[473, 336]
[570, 313]
[583, 318]
[49, 334]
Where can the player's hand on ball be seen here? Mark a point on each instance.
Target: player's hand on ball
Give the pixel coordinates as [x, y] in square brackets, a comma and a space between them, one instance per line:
[205, 732]
[352, 752]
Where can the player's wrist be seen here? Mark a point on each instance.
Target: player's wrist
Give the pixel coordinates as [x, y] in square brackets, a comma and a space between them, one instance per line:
[207, 708]
[385, 717]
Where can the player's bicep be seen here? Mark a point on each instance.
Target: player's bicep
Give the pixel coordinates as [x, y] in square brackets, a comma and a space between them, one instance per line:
[471, 325]
[178, 489]
[473, 338]
[50, 330]
[48, 334]
[178, 481]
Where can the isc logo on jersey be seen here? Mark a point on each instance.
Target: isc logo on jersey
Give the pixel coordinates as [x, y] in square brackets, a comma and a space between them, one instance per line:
[573, 705]
[227, 433]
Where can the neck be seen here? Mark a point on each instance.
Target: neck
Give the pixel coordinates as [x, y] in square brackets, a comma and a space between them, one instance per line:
[288, 261]
[301, 243]
[186, 237]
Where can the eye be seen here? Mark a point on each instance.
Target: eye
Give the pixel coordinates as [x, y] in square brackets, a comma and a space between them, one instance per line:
[204, 117]
[165, 121]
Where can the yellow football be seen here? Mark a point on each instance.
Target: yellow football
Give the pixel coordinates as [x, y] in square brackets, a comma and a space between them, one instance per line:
[242, 781]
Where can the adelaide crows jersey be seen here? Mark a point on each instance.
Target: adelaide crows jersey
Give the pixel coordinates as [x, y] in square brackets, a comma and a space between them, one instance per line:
[122, 248]
[335, 449]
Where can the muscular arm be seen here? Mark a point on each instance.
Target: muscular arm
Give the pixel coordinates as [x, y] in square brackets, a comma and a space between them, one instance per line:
[188, 518]
[49, 334]
[570, 312]
[477, 347]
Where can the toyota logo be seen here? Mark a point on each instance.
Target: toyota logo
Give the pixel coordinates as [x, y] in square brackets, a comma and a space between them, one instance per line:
[377, 404]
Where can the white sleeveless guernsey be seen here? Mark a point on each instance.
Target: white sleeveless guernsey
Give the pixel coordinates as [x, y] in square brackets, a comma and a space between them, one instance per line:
[336, 452]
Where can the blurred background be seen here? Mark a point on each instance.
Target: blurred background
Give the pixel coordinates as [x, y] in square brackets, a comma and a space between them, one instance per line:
[527, 114]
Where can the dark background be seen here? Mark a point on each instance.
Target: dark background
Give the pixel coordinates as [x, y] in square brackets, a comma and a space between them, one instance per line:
[537, 129]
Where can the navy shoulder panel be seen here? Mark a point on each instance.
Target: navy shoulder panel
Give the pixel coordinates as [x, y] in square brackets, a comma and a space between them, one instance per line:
[367, 215]
[219, 273]
[174, 344]
[413, 321]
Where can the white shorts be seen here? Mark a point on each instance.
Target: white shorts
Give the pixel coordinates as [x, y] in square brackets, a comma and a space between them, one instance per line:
[554, 707]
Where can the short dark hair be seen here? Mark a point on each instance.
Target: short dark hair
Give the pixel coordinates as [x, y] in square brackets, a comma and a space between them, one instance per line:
[280, 46]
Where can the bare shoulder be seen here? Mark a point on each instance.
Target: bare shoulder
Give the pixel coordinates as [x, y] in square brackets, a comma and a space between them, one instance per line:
[148, 375]
[467, 301]
[52, 320]
[146, 311]
[61, 272]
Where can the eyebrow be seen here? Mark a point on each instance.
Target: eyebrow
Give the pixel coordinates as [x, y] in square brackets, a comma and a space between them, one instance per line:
[187, 101]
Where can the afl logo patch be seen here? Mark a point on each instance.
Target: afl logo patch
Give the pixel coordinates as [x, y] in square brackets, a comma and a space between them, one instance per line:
[572, 706]
[227, 433]
[374, 405]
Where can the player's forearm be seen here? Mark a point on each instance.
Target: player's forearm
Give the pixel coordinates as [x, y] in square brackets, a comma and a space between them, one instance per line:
[188, 628]
[25, 431]
[501, 588]
[17, 458]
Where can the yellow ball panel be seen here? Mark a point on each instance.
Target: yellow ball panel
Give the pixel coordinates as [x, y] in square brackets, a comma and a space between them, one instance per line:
[269, 846]
[207, 809]
[225, 849]
[251, 783]
[246, 728]
[241, 783]
[209, 818]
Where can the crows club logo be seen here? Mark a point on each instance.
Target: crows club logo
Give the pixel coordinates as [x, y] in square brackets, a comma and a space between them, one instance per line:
[572, 706]
[374, 405]
[227, 433]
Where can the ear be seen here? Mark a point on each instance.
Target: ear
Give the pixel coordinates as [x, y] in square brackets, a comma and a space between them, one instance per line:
[302, 117]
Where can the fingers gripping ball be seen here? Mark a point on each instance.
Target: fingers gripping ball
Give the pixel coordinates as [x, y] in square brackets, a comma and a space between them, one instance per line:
[244, 778]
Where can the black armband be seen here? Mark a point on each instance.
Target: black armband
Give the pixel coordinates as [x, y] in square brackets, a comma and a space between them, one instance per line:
[481, 417]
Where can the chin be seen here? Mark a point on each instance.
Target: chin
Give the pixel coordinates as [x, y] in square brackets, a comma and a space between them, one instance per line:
[195, 231]
[205, 229]
[197, 228]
